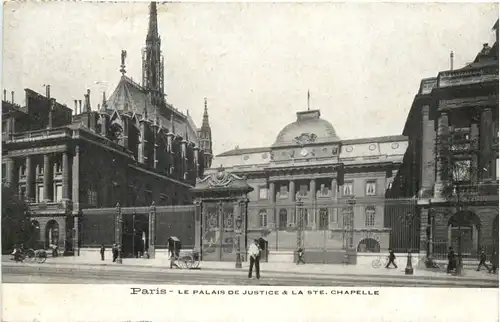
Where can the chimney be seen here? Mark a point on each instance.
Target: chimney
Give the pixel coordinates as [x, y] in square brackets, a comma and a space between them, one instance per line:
[12, 93]
[5, 95]
[451, 60]
[80, 104]
[76, 107]
[47, 91]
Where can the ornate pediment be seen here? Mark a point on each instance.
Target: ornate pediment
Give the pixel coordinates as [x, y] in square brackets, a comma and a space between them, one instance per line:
[222, 180]
[305, 138]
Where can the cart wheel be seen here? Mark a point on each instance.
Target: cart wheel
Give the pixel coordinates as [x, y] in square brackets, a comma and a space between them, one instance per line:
[189, 262]
[41, 257]
[183, 261]
[376, 263]
[196, 264]
[30, 254]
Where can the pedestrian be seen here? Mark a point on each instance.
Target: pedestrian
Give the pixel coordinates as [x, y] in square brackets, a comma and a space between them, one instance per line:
[115, 252]
[102, 251]
[451, 260]
[300, 256]
[482, 261]
[254, 252]
[392, 258]
[494, 262]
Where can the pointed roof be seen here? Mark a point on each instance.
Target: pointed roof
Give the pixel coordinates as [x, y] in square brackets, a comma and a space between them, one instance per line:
[153, 22]
[206, 123]
[131, 95]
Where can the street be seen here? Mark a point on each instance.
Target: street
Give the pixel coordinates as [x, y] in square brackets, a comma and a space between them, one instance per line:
[25, 273]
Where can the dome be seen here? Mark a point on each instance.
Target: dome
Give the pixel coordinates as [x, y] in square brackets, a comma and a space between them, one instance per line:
[308, 128]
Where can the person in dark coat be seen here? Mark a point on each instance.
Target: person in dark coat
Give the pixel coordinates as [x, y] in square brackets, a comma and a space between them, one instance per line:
[451, 260]
[494, 262]
[115, 252]
[482, 261]
[102, 251]
[392, 258]
[300, 256]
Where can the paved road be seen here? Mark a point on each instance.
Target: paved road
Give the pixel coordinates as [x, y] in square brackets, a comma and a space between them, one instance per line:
[88, 275]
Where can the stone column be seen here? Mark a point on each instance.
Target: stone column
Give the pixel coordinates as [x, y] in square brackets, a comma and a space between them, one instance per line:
[291, 198]
[314, 213]
[485, 129]
[65, 176]
[442, 131]
[291, 191]
[474, 136]
[272, 203]
[152, 232]
[10, 175]
[424, 225]
[46, 177]
[29, 177]
[334, 212]
[76, 236]
[75, 195]
[427, 175]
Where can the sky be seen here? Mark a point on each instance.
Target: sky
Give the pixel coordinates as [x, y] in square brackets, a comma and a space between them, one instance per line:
[254, 62]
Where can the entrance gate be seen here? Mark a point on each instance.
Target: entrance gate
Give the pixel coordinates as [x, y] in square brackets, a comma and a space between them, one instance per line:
[221, 216]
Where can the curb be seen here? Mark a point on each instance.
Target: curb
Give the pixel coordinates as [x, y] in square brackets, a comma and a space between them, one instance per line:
[316, 274]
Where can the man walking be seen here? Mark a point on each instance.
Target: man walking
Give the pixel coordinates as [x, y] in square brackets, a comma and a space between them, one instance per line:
[115, 252]
[254, 252]
[102, 251]
[482, 261]
[392, 258]
[300, 256]
[494, 262]
[451, 260]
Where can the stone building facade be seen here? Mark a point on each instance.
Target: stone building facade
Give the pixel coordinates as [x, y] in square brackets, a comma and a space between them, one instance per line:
[133, 149]
[461, 106]
[310, 179]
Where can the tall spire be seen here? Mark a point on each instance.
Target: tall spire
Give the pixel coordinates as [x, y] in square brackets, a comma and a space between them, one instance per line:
[205, 123]
[152, 60]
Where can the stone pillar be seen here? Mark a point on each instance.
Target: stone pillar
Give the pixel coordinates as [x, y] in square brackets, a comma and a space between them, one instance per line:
[65, 176]
[10, 175]
[46, 177]
[76, 235]
[474, 136]
[335, 210]
[424, 225]
[196, 161]
[152, 232]
[485, 145]
[427, 175]
[442, 131]
[104, 124]
[29, 177]
[197, 227]
[291, 191]
[75, 195]
[184, 159]
[142, 142]
[312, 211]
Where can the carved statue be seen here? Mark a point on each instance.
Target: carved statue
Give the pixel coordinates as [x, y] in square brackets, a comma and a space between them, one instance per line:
[221, 178]
[335, 150]
[305, 138]
[124, 55]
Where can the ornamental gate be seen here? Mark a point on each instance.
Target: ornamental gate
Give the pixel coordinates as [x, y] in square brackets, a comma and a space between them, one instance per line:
[221, 217]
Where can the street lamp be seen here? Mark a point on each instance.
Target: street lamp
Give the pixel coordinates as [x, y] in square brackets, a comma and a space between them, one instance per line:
[118, 232]
[409, 220]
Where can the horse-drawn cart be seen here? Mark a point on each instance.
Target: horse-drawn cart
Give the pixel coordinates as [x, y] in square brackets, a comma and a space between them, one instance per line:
[189, 259]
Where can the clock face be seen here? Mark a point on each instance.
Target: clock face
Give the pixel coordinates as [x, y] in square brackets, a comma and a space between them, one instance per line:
[304, 152]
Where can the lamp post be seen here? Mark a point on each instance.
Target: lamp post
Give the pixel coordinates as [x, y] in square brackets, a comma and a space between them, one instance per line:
[409, 268]
[349, 228]
[240, 213]
[118, 232]
[152, 223]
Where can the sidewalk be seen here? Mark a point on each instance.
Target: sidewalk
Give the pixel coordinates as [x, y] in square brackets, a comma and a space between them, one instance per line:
[319, 270]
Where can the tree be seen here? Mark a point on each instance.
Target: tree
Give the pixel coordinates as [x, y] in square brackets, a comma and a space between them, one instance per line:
[16, 223]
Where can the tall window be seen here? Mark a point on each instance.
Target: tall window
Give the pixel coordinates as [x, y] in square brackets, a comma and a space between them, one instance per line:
[370, 216]
[58, 192]
[371, 188]
[263, 193]
[346, 217]
[39, 193]
[348, 189]
[263, 218]
[283, 218]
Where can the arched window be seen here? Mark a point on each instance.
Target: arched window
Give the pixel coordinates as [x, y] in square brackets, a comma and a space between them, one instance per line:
[370, 216]
[263, 218]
